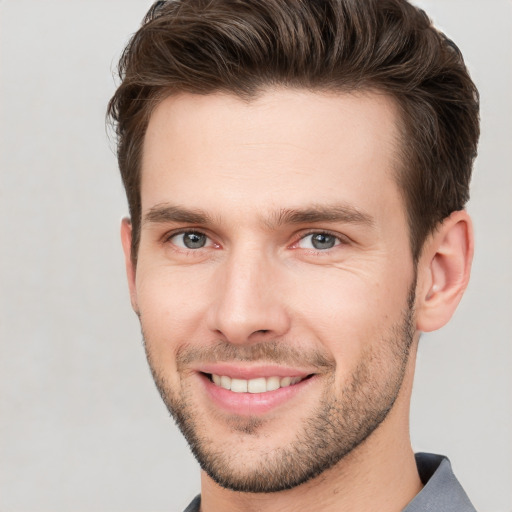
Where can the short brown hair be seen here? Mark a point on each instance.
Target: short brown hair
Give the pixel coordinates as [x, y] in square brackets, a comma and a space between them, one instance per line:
[243, 46]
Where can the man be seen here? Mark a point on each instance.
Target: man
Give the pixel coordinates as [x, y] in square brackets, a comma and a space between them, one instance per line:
[296, 174]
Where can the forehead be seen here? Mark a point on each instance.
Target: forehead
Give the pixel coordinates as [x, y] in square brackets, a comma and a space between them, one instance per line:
[285, 146]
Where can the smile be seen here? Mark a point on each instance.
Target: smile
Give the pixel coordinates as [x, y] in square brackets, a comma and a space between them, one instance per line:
[257, 385]
[250, 391]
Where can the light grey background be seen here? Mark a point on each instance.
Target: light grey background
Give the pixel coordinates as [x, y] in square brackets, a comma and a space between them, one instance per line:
[81, 425]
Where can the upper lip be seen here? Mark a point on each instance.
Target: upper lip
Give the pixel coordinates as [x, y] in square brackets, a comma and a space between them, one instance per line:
[238, 371]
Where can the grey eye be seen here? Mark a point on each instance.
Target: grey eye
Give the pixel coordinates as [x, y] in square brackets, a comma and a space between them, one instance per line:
[319, 241]
[190, 240]
[323, 241]
[194, 240]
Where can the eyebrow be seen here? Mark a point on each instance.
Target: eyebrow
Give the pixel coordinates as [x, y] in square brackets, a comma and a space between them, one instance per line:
[321, 213]
[165, 213]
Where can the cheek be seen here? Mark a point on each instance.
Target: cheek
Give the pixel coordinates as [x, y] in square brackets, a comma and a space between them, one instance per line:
[171, 305]
[348, 312]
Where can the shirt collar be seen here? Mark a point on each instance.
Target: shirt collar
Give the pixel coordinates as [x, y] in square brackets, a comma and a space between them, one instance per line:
[441, 491]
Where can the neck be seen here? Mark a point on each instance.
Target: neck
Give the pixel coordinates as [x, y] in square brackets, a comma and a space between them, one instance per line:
[380, 474]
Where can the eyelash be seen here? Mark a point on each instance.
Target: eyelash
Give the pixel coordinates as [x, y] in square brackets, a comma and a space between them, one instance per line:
[339, 240]
[168, 237]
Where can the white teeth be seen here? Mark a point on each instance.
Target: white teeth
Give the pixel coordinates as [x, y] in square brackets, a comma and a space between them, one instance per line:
[239, 385]
[258, 385]
[273, 383]
[286, 381]
[225, 382]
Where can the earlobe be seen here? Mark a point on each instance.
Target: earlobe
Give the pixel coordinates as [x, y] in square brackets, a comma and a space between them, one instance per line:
[443, 271]
[126, 239]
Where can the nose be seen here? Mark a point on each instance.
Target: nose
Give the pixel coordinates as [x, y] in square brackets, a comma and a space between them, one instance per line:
[248, 305]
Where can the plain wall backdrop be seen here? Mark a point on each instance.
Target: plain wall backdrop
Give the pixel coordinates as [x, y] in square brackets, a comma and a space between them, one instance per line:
[81, 426]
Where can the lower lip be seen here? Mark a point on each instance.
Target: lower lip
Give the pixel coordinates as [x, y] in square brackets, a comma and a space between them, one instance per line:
[250, 404]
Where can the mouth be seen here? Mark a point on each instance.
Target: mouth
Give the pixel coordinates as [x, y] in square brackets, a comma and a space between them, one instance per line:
[255, 385]
[254, 392]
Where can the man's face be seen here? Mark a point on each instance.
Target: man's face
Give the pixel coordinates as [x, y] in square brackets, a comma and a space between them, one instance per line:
[274, 279]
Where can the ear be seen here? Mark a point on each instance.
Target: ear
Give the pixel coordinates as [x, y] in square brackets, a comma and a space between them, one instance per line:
[443, 271]
[126, 239]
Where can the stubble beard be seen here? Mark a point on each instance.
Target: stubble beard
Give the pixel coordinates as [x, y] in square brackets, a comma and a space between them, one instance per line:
[340, 423]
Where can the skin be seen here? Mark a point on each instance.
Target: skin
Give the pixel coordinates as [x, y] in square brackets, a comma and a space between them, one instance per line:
[259, 282]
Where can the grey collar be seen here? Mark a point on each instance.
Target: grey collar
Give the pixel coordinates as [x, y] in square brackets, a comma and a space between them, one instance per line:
[442, 491]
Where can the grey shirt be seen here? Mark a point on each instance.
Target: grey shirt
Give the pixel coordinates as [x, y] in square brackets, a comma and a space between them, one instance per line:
[441, 492]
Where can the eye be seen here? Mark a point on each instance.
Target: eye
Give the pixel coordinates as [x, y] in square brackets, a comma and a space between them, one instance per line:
[190, 240]
[318, 241]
